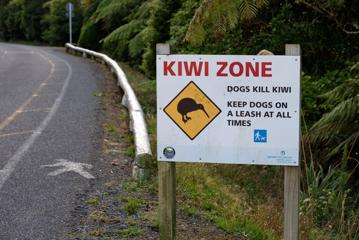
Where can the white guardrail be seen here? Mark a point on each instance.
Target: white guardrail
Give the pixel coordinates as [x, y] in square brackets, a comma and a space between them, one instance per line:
[143, 154]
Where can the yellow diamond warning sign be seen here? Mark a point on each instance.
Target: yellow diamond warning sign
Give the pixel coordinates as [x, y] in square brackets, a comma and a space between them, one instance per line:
[192, 110]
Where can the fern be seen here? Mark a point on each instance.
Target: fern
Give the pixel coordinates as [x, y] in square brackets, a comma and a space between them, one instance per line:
[143, 11]
[339, 128]
[156, 31]
[180, 23]
[347, 90]
[218, 16]
[126, 31]
[136, 45]
[337, 121]
[127, 39]
[112, 9]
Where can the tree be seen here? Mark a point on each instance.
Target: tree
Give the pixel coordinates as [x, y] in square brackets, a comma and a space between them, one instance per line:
[31, 19]
[157, 31]
[90, 34]
[343, 13]
[13, 13]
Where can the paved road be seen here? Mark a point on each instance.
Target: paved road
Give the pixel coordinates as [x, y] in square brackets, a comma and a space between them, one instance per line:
[48, 112]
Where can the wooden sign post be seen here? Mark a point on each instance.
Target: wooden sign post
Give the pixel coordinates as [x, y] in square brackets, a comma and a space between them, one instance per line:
[291, 181]
[166, 185]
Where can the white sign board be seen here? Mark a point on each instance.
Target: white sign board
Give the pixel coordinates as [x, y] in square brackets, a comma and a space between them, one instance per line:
[228, 109]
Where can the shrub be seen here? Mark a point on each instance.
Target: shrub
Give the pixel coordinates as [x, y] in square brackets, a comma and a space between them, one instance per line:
[89, 37]
[328, 201]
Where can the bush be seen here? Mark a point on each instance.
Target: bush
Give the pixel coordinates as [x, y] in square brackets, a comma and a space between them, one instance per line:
[157, 31]
[89, 37]
[328, 201]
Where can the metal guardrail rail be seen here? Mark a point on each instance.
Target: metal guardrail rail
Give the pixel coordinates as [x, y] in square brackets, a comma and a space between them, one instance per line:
[143, 154]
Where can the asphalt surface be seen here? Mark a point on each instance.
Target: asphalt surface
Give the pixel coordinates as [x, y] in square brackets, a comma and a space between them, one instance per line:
[48, 112]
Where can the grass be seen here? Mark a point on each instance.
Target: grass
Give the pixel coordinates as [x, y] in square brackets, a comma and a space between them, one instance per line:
[102, 219]
[109, 127]
[132, 204]
[93, 201]
[189, 210]
[225, 205]
[99, 216]
[96, 233]
[328, 203]
[129, 232]
[130, 151]
[98, 94]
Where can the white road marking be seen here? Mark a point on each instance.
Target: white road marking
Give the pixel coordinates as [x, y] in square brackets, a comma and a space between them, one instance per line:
[15, 134]
[68, 166]
[18, 52]
[10, 166]
[36, 110]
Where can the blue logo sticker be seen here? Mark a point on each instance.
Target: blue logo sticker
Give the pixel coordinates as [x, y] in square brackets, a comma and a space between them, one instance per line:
[260, 135]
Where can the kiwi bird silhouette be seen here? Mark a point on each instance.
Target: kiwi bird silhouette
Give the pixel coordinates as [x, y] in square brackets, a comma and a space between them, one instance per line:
[187, 105]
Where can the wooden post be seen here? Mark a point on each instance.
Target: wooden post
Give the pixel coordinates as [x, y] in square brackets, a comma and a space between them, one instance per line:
[167, 186]
[291, 182]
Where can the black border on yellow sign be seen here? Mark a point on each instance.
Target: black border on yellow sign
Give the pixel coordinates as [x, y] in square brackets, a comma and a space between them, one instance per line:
[204, 95]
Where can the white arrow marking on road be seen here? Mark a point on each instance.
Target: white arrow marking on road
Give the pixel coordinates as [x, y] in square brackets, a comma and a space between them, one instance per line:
[68, 166]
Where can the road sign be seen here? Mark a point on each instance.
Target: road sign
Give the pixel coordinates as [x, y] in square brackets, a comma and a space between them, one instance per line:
[70, 7]
[192, 110]
[228, 109]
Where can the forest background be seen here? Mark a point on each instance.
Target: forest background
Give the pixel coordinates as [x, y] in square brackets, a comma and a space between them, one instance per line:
[328, 32]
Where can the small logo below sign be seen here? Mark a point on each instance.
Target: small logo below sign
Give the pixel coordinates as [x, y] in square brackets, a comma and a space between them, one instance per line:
[169, 152]
[260, 135]
[192, 110]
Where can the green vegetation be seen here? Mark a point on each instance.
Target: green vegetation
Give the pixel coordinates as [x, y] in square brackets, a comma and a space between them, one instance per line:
[132, 204]
[213, 198]
[130, 232]
[251, 200]
[326, 201]
[111, 128]
[99, 216]
[98, 94]
[93, 201]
